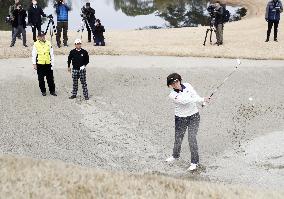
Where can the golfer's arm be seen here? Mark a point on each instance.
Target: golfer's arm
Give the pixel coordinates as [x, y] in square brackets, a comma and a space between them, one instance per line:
[34, 55]
[197, 97]
[184, 98]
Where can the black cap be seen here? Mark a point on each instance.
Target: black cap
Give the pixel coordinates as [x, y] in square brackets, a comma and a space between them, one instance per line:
[173, 78]
[41, 34]
[88, 4]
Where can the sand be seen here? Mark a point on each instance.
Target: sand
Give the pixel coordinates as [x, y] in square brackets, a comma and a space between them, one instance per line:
[128, 123]
[28, 178]
[243, 39]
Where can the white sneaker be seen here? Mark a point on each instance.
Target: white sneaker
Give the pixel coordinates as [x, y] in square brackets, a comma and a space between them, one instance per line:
[171, 159]
[192, 167]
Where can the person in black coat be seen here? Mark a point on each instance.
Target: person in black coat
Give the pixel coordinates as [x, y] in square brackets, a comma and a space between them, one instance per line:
[35, 13]
[19, 25]
[99, 34]
[88, 14]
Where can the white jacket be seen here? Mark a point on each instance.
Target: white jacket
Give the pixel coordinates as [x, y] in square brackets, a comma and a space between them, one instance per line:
[185, 101]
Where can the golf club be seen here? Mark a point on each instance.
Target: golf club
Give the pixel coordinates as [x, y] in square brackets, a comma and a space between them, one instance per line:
[220, 85]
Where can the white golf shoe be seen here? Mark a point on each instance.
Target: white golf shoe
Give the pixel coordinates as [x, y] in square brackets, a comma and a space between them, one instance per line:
[171, 159]
[192, 167]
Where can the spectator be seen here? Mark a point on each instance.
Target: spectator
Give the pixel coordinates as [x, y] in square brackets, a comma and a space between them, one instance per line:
[35, 13]
[99, 34]
[62, 10]
[19, 24]
[272, 16]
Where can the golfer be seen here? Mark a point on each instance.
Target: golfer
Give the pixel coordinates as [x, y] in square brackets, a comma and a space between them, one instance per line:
[43, 60]
[186, 117]
[79, 58]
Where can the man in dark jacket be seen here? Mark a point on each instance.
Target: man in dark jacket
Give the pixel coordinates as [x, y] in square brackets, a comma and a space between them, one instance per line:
[35, 12]
[88, 14]
[80, 59]
[272, 16]
[62, 10]
[219, 23]
[99, 34]
[19, 25]
[11, 11]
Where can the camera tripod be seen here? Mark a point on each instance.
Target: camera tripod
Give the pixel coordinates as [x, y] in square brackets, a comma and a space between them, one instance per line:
[53, 30]
[82, 28]
[211, 29]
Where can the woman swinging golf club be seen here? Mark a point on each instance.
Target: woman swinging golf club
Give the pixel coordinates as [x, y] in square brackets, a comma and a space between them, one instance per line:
[186, 116]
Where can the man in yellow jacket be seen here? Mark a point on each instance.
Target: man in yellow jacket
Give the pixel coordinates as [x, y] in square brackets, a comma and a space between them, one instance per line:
[43, 60]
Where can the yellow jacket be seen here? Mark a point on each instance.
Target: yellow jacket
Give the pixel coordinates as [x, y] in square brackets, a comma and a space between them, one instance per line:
[42, 53]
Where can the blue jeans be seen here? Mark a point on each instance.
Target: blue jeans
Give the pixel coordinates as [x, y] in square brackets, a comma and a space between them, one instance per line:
[192, 124]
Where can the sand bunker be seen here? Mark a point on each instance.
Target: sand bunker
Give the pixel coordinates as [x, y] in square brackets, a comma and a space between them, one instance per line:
[128, 123]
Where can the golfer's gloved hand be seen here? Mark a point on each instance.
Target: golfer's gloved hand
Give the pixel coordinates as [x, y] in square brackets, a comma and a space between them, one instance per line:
[266, 19]
[82, 67]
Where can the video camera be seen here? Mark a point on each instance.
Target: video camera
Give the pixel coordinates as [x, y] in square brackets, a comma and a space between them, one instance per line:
[85, 12]
[59, 2]
[50, 16]
[211, 10]
[8, 20]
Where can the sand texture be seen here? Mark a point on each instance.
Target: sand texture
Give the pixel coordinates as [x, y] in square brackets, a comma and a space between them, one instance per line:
[128, 124]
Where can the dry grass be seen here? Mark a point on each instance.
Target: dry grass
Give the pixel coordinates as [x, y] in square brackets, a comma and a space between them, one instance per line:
[243, 39]
[29, 178]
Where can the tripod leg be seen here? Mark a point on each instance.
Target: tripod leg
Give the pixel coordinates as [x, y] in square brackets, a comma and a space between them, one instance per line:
[211, 32]
[54, 27]
[47, 26]
[205, 39]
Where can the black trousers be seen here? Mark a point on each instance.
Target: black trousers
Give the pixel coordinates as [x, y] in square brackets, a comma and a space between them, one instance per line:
[270, 24]
[45, 71]
[192, 124]
[34, 28]
[62, 26]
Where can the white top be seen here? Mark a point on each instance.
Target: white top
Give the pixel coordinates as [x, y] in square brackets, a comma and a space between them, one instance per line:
[185, 101]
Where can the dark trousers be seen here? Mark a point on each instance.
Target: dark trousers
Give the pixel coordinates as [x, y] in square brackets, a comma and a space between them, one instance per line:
[270, 24]
[18, 36]
[34, 28]
[62, 27]
[99, 41]
[17, 31]
[76, 74]
[45, 71]
[219, 33]
[192, 124]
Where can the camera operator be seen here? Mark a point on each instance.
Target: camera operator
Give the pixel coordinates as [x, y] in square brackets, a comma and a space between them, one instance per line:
[99, 34]
[88, 14]
[272, 16]
[219, 23]
[35, 12]
[19, 24]
[62, 10]
[11, 18]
